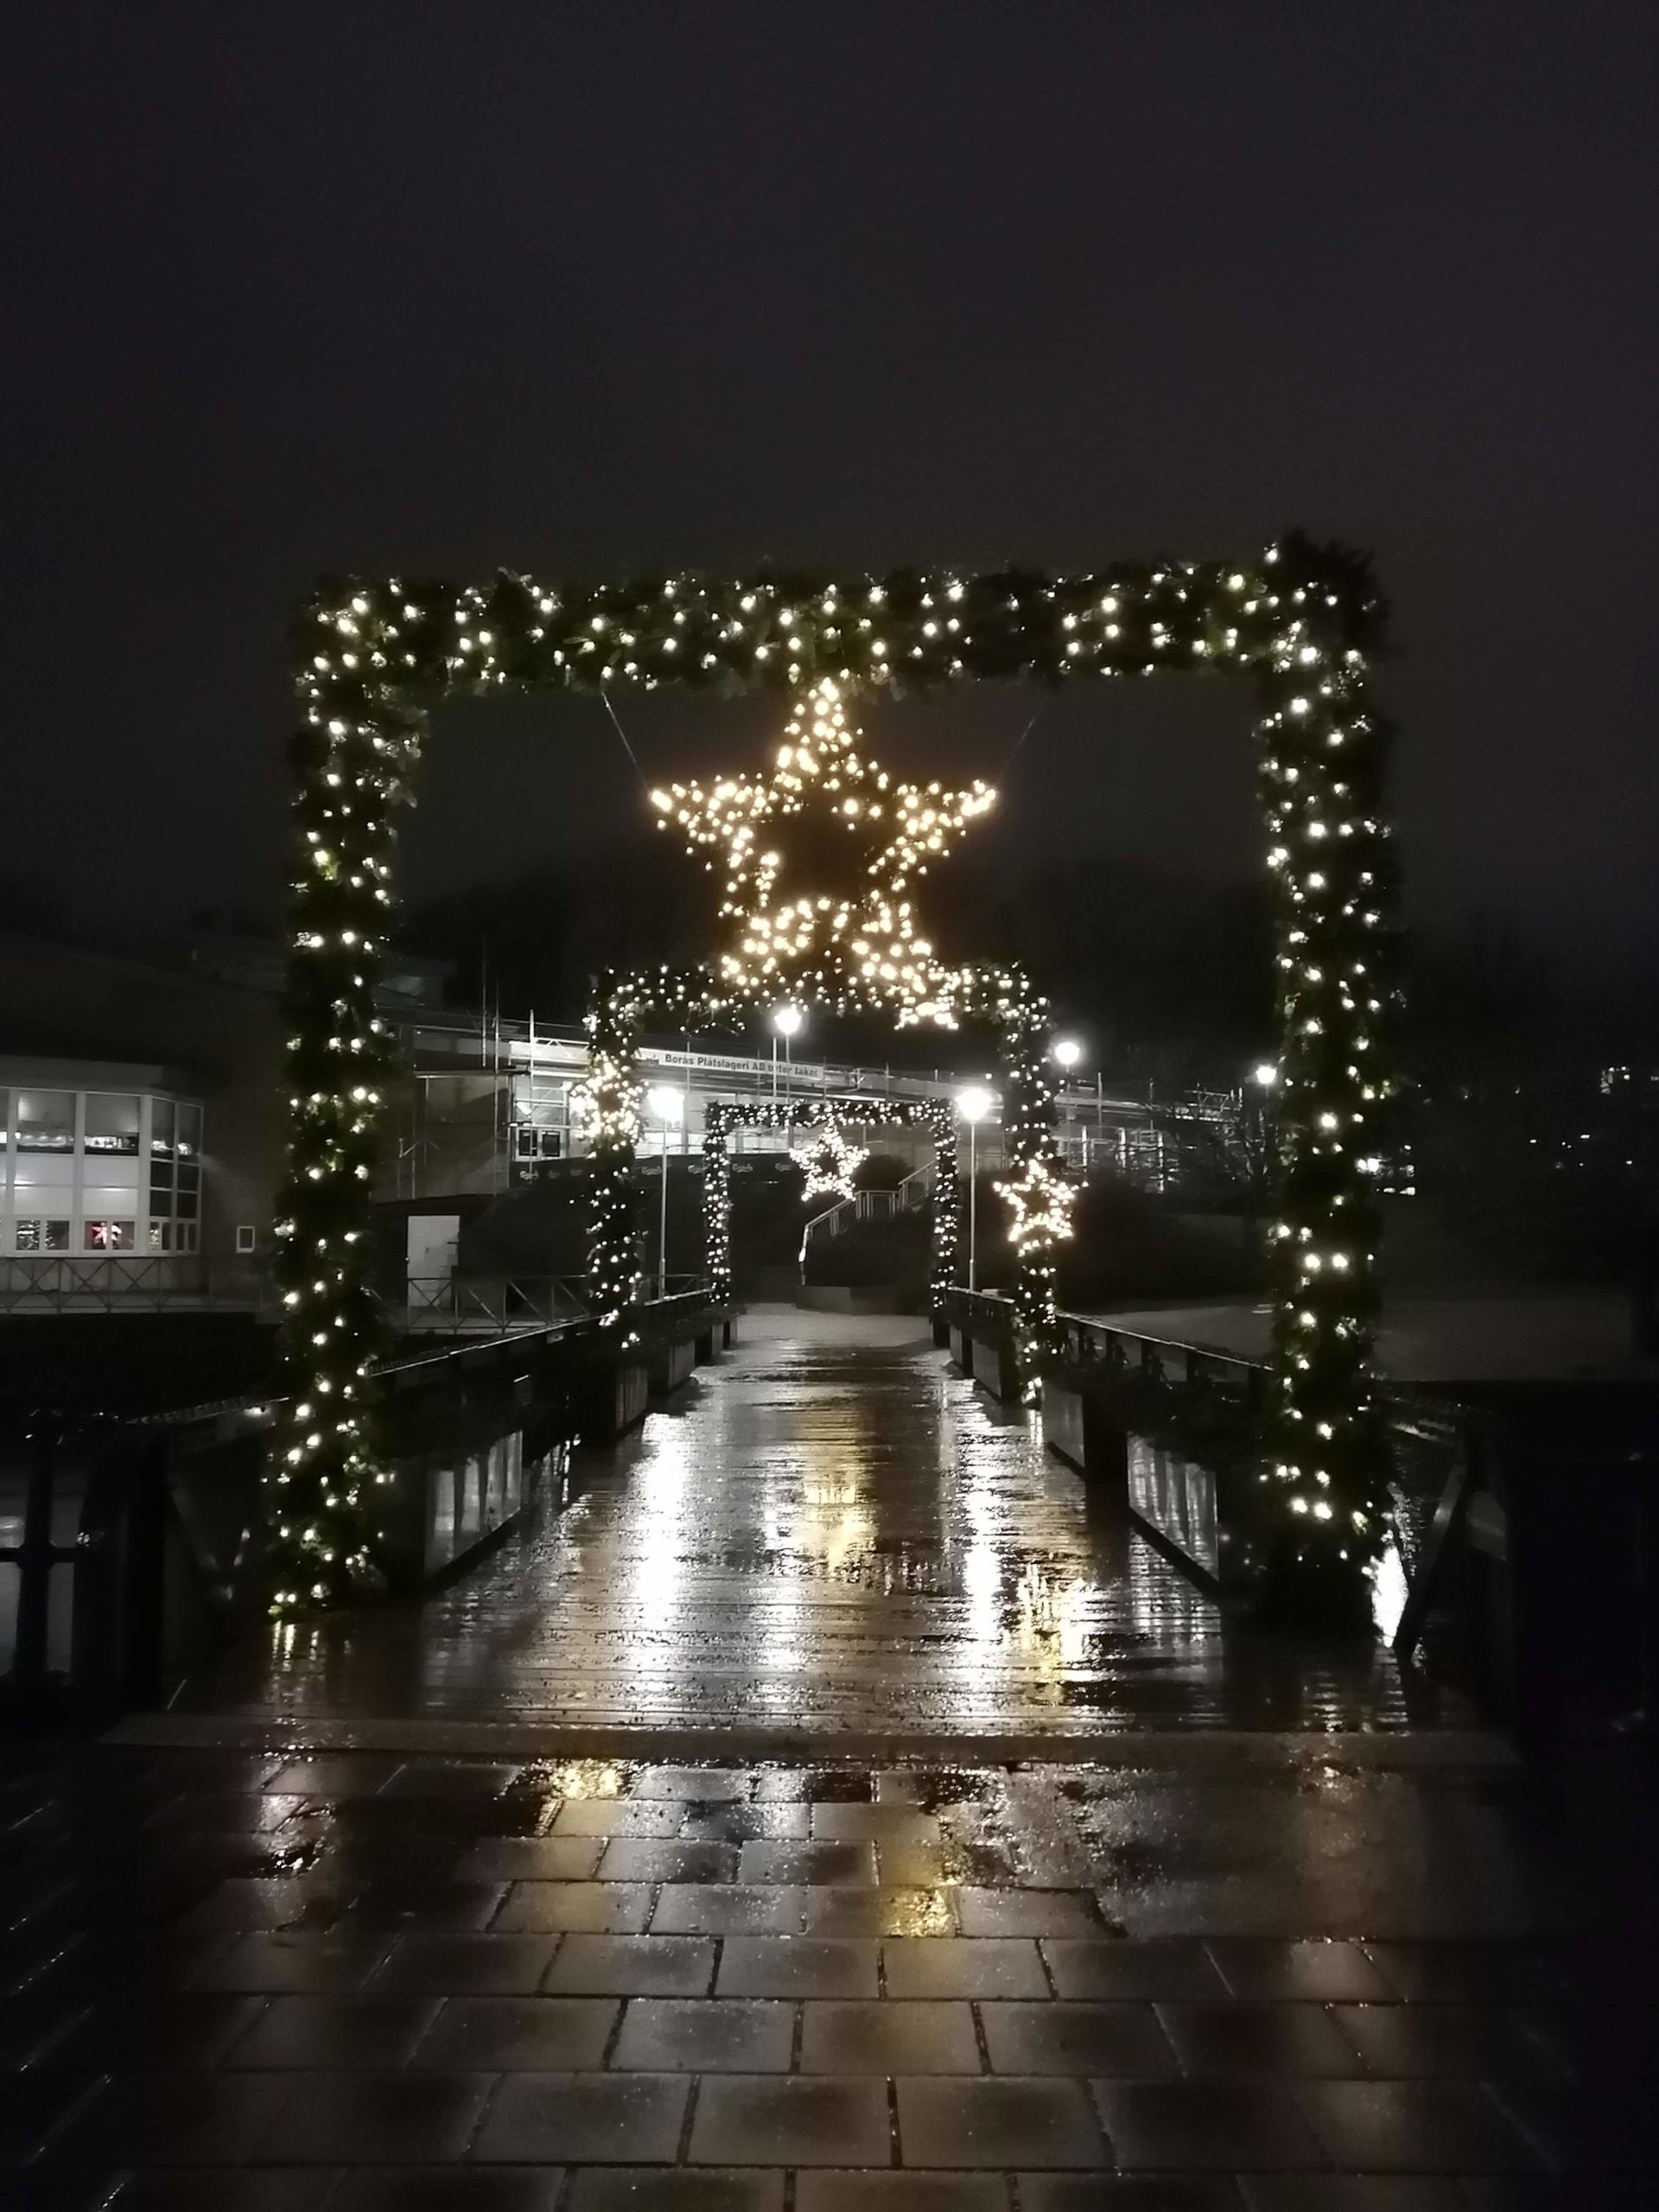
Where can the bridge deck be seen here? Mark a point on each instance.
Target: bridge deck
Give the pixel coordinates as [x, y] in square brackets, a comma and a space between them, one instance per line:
[830, 1537]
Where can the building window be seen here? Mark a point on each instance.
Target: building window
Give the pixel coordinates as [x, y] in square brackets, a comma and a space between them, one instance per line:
[36, 1234]
[109, 1235]
[112, 1122]
[160, 1236]
[184, 1236]
[246, 1236]
[45, 1121]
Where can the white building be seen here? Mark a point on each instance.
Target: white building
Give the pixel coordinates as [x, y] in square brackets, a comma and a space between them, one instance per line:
[100, 1158]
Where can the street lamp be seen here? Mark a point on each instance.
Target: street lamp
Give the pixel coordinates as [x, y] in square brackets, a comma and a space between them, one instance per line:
[667, 1104]
[1067, 1051]
[975, 1104]
[1265, 1073]
[786, 1022]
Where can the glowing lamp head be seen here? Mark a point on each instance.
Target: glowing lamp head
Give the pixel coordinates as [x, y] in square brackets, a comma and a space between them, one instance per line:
[1067, 1051]
[665, 1102]
[788, 1020]
[1264, 1073]
[974, 1104]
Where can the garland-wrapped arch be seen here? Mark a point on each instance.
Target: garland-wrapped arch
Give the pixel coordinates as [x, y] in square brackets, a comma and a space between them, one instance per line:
[1303, 622]
[693, 998]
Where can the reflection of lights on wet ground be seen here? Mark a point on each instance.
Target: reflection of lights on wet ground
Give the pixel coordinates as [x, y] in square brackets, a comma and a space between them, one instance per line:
[659, 1570]
[1387, 1580]
[819, 1534]
[592, 1778]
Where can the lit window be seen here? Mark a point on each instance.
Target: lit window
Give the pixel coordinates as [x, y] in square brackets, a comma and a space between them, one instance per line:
[45, 1121]
[34, 1235]
[162, 1117]
[160, 1236]
[109, 1236]
[112, 1122]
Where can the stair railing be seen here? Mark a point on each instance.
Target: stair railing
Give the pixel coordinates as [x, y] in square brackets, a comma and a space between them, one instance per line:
[907, 1197]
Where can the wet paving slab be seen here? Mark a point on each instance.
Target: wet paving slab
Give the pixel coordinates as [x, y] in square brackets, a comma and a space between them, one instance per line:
[830, 1534]
[504, 1902]
[267, 1979]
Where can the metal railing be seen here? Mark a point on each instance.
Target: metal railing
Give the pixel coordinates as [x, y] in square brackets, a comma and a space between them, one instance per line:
[137, 1285]
[129, 1546]
[909, 1196]
[499, 1304]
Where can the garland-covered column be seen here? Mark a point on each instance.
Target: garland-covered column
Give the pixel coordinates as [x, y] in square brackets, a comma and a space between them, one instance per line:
[947, 1210]
[352, 758]
[609, 1104]
[1038, 1196]
[717, 1203]
[1322, 772]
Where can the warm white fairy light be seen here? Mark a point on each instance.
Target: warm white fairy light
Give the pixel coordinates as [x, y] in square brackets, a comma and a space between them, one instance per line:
[827, 1162]
[723, 1115]
[372, 657]
[894, 832]
[1040, 1199]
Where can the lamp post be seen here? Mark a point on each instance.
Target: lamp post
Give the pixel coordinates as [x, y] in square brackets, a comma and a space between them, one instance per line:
[974, 1104]
[667, 1104]
[786, 1023]
[1067, 1052]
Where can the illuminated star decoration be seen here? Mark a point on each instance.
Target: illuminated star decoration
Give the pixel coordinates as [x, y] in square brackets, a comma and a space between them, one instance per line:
[867, 941]
[1041, 1198]
[828, 1162]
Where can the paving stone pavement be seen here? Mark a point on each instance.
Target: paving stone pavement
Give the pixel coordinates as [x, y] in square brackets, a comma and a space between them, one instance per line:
[1270, 1936]
[256, 1980]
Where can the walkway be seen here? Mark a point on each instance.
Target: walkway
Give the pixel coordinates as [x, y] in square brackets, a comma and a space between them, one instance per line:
[1245, 1937]
[833, 1540]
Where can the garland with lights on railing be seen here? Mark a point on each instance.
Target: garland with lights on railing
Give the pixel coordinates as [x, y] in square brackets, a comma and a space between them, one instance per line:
[373, 656]
[722, 1115]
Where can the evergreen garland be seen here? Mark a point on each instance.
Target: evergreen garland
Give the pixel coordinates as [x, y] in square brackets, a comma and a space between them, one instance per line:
[372, 657]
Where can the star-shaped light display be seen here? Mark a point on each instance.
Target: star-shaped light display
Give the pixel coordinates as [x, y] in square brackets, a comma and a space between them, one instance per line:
[892, 832]
[1040, 1199]
[828, 1162]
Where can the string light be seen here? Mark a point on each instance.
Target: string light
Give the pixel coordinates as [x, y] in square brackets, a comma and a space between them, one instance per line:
[827, 1162]
[722, 1115]
[372, 657]
[894, 833]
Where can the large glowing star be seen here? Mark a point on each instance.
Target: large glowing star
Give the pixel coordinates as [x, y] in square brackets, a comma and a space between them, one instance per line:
[841, 808]
[829, 1163]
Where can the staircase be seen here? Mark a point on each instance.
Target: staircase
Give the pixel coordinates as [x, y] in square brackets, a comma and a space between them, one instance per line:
[908, 1196]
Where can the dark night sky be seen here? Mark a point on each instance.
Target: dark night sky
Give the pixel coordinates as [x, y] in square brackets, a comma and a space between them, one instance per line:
[440, 286]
